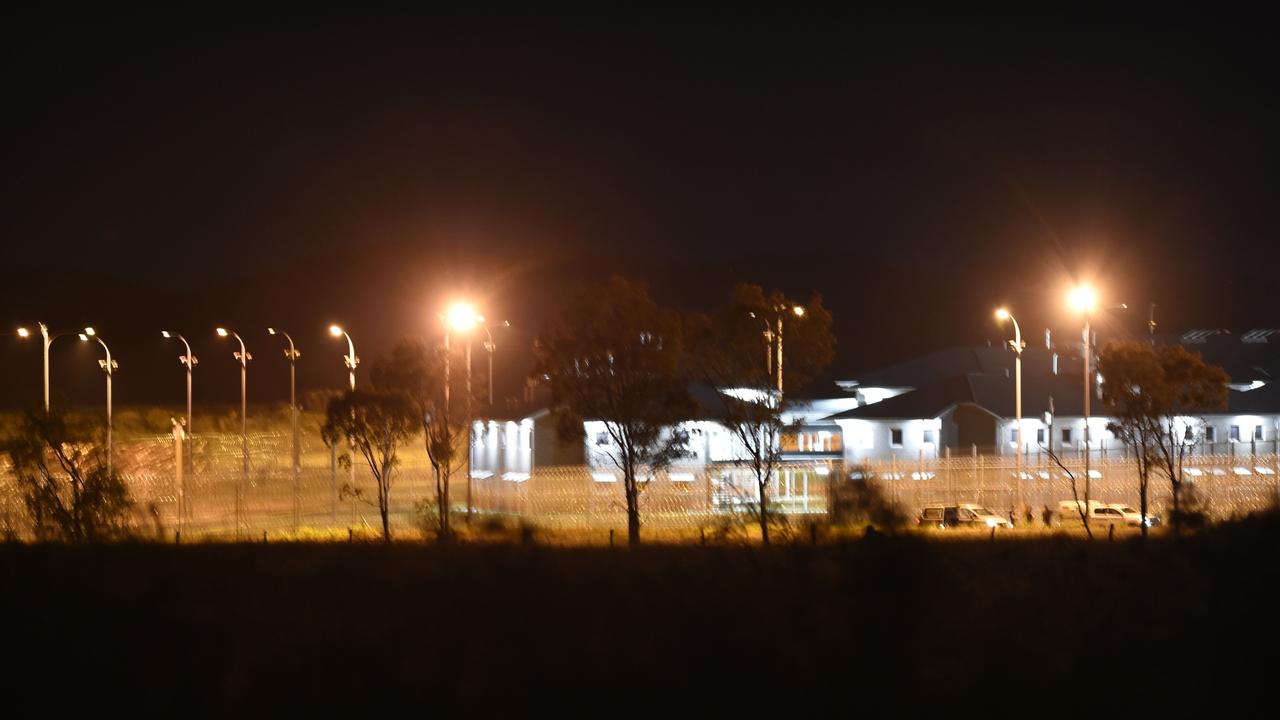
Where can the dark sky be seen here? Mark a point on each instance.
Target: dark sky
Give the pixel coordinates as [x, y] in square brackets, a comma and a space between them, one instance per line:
[178, 172]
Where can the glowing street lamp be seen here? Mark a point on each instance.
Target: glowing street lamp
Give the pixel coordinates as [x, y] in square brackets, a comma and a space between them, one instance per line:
[1084, 300]
[291, 354]
[351, 361]
[460, 317]
[1017, 345]
[109, 367]
[189, 361]
[243, 357]
[48, 339]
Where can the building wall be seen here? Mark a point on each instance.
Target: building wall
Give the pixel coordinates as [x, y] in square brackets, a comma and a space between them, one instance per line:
[874, 439]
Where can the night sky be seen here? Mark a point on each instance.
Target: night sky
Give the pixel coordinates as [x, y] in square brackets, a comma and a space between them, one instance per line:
[182, 173]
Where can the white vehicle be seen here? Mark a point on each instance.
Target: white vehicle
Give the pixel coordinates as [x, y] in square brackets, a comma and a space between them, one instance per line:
[1133, 517]
[974, 514]
[1100, 514]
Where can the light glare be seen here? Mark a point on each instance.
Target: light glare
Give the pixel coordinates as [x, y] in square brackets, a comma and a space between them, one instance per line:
[83, 337]
[1002, 314]
[222, 332]
[90, 332]
[1083, 299]
[335, 331]
[462, 316]
[23, 332]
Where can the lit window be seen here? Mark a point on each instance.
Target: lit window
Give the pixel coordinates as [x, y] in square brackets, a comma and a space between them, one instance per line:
[1066, 436]
[895, 437]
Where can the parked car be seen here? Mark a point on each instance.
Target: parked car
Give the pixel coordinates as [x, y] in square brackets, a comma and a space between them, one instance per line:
[1133, 517]
[1101, 514]
[961, 515]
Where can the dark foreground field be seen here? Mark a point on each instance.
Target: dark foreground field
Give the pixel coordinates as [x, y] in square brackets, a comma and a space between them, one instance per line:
[1039, 627]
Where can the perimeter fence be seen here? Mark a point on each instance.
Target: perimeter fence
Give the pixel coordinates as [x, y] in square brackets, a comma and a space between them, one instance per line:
[213, 498]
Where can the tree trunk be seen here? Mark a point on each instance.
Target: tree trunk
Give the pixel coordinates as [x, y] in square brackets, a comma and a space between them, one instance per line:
[384, 505]
[633, 509]
[1142, 503]
[1176, 517]
[761, 480]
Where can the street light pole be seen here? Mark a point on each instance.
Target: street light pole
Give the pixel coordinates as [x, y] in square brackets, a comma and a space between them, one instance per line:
[291, 354]
[189, 361]
[47, 339]
[463, 317]
[1083, 299]
[108, 366]
[490, 347]
[1017, 346]
[351, 361]
[243, 357]
[782, 310]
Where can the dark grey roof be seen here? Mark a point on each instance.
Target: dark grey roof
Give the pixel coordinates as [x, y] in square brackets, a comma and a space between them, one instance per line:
[992, 391]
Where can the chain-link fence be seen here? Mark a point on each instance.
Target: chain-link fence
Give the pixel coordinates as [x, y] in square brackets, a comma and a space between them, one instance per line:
[212, 497]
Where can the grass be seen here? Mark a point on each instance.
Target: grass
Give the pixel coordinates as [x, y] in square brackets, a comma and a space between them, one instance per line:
[904, 624]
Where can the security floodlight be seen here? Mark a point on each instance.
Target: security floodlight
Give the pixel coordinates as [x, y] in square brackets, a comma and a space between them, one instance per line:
[1083, 299]
[463, 317]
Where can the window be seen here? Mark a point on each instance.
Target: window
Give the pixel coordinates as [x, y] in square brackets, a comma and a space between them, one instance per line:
[1257, 433]
[1066, 436]
[602, 438]
[1013, 436]
[1210, 433]
[1235, 433]
[1039, 436]
[895, 437]
[1188, 434]
[928, 437]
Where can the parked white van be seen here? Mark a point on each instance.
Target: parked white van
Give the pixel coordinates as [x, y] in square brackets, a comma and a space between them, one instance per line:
[1100, 514]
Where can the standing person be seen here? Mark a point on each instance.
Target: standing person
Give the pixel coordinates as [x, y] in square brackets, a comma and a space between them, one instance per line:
[1047, 516]
[1012, 521]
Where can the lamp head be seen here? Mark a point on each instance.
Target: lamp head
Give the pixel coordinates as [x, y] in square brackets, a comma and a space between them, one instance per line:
[23, 332]
[222, 332]
[798, 310]
[83, 337]
[462, 316]
[1002, 314]
[90, 332]
[165, 334]
[271, 331]
[335, 331]
[1083, 299]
